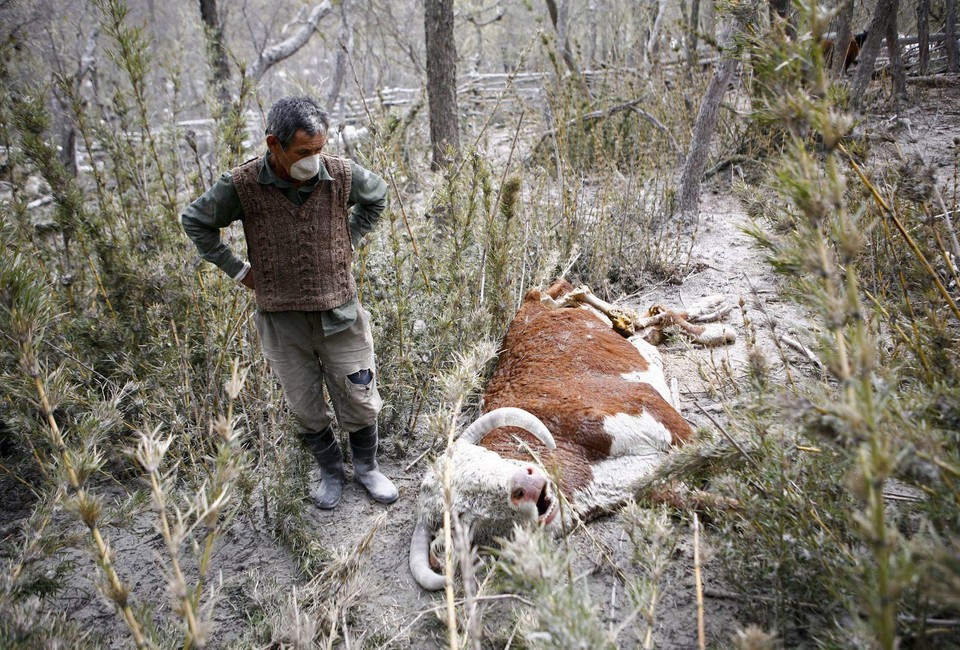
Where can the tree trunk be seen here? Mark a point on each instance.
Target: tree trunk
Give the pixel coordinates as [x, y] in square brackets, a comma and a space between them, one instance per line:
[893, 51]
[68, 142]
[216, 51]
[923, 32]
[558, 16]
[688, 195]
[64, 94]
[652, 48]
[953, 65]
[592, 31]
[710, 24]
[693, 39]
[838, 54]
[344, 46]
[871, 48]
[442, 82]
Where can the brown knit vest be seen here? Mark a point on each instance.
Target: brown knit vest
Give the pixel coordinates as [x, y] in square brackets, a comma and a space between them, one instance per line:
[300, 256]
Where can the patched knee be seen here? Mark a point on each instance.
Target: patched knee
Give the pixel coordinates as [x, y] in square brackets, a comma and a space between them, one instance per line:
[361, 378]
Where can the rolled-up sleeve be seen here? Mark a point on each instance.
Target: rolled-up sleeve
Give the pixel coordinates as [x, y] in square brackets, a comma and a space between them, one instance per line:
[203, 219]
[368, 195]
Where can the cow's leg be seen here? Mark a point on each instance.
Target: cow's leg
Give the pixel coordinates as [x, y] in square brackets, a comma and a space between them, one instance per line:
[708, 335]
[709, 309]
[623, 320]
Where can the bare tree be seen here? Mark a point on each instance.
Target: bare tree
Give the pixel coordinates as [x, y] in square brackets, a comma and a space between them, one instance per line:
[694, 33]
[871, 48]
[897, 74]
[950, 31]
[652, 47]
[63, 100]
[442, 81]
[216, 50]
[288, 47]
[72, 63]
[688, 195]
[558, 17]
[592, 31]
[923, 34]
[710, 22]
[838, 53]
[477, 19]
[344, 47]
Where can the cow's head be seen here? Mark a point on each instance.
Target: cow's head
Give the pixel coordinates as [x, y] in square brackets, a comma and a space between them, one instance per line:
[489, 494]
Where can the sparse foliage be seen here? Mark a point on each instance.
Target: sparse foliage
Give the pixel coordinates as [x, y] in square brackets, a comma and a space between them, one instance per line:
[136, 399]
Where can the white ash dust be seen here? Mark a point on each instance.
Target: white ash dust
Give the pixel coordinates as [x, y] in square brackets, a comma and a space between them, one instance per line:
[390, 606]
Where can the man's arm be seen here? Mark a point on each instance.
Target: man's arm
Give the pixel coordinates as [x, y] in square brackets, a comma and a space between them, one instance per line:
[368, 195]
[203, 219]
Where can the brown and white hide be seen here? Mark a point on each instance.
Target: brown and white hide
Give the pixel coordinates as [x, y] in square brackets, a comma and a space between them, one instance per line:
[605, 406]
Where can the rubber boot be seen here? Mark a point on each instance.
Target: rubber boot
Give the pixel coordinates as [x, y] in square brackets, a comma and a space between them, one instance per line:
[326, 450]
[363, 443]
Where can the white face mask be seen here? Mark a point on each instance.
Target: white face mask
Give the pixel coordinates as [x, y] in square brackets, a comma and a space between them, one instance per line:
[305, 168]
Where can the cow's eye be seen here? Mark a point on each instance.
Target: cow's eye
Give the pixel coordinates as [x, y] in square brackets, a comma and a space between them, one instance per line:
[517, 494]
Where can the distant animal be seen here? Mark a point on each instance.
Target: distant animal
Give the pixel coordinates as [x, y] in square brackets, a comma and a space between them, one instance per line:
[571, 399]
[853, 49]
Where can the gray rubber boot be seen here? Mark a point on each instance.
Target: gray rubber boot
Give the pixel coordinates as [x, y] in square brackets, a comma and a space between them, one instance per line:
[363, 443]
[326, 450]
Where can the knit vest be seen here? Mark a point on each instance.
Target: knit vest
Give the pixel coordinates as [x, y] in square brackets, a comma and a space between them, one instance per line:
[300, 256]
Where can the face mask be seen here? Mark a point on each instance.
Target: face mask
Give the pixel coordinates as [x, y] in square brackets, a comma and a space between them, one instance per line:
[305, 168]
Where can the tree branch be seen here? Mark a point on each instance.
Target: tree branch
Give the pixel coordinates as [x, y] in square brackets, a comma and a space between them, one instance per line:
[287, 48]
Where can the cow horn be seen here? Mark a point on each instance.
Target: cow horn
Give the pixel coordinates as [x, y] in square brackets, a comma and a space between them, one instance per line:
[508, 417]
[420, 559]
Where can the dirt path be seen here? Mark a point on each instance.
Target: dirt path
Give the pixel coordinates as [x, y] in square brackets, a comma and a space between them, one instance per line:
[726, 264]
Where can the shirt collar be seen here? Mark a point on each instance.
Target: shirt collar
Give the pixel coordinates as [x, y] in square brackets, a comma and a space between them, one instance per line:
[268, 177]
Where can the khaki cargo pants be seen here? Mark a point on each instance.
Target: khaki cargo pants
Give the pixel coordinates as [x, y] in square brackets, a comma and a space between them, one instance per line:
[304, 359]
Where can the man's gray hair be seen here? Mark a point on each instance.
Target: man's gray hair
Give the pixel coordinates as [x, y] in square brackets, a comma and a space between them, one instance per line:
[291, 114]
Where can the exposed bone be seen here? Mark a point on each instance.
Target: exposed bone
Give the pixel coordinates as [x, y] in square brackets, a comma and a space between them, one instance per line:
[624, 320]
[715, 313]
[709, 308]
[804, 350]
[709, 335]
[628, 322]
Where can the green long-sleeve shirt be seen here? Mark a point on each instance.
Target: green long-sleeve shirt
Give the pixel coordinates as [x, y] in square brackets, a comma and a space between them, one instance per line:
[220, 206]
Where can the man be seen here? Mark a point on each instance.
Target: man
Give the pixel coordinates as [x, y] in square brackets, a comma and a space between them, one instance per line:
[293, 203]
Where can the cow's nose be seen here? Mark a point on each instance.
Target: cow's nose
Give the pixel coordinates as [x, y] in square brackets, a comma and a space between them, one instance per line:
[527, 485]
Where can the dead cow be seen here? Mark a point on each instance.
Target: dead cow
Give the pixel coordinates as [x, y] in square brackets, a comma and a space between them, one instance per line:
[572, 391]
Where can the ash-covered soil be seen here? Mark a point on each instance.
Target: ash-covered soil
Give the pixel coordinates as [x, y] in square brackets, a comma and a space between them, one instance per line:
[385, 607]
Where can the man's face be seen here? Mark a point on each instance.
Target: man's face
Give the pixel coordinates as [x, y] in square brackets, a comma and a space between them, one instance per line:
[303, 145]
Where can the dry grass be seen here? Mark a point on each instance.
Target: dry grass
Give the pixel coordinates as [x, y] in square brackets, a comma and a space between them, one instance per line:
[111, 328]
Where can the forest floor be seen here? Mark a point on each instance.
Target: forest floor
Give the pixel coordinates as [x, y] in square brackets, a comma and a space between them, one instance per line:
[384, 606]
